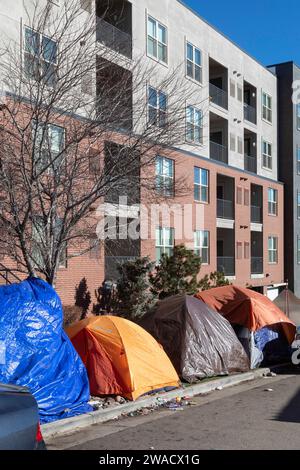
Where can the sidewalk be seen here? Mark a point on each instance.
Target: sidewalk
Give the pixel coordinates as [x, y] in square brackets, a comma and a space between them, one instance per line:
[71, 425]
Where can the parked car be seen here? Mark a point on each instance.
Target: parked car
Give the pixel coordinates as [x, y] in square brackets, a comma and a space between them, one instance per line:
[19, 420]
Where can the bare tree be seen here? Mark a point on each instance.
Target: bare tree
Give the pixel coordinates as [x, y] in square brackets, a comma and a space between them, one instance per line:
[75, 132]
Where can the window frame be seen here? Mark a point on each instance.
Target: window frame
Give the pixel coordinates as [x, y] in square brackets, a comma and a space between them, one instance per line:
[199, 186]
[273, 202]
[193, 63]
[193, 126]
[160, 235]
[267, 108]
[273, 251]
[156, 40]
[44, 147]
[264, 155]
[199, 247]
[165, 189]
[159, 111]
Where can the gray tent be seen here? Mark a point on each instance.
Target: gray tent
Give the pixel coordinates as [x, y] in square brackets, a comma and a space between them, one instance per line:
[198, 340]
[290, 305]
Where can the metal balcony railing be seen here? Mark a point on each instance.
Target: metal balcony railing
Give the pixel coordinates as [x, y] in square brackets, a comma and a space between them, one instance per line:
[225, 209]
[226, 265]
[218, 152]
[250, 163]
[256, 215]
[250, 113]
[218, 96]
[257, 265]
[114, 38]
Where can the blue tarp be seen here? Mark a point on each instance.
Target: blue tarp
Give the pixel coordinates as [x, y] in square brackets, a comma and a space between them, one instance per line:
[36, 352]
[272, 342]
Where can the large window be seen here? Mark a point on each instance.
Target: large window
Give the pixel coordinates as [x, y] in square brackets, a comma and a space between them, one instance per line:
[157, 107]
[49, 142]
[194, 125]
[272, 201]
[193, 62]
[201, 245]
[201, 184]
[157, 44]
[266, 155]
[273, 250]
[165, 176]
[266, 107]
[39, 230]
[164, 242]
[40, 57]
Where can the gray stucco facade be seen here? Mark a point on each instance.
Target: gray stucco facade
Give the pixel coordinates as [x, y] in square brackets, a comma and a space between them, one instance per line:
[289, 169]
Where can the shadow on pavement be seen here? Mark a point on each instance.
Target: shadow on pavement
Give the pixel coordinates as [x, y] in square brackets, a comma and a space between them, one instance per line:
[291, 412]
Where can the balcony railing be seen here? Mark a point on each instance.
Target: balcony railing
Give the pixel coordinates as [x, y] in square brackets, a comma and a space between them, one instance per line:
[225, 209]
[250, 113]
[218, 96]
[218, 152]
[256, 215]
[114, 38]
[226, 265]
[257, 265]
[250, 163]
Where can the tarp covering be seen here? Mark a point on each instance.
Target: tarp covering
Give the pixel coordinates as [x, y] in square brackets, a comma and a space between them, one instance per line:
[247, 308]
[290, 305]
[200, 342]
[121, 357]
[37, 353]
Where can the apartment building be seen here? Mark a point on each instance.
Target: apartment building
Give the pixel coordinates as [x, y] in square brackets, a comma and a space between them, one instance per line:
[228, 155]
[288, 75]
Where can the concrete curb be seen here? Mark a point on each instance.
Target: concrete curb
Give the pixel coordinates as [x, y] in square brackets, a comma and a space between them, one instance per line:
[69, 425]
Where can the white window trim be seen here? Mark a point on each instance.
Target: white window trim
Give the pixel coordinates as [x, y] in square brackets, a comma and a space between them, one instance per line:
[162, 62]
[273, 202]
[200, 185]
[273, 250]
[201, 247]
[264, 141]
[186, 61]
[195, 126]
[263, 106]
[157, 107]
[165, 178]
[165, 246]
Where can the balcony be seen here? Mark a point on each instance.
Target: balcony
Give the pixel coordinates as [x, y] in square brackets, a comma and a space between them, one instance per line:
[218, 96]
[256, 215]
[114, 38]
[218, 152]
[257, 265]
[250, 163]
[249, 113]
[225, 209]
[226, 265]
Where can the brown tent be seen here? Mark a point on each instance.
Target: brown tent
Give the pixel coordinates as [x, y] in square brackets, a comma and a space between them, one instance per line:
[290, 305]
[199, 342]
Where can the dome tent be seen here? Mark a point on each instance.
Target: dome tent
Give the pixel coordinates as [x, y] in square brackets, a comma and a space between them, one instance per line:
[121, 357]
[264, 330]
[199, 342]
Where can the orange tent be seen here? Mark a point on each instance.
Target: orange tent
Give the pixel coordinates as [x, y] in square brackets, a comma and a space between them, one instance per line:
[247, 308]
[121, 357]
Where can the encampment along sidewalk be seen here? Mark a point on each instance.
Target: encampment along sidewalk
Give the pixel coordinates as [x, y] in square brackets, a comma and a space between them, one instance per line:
[70, 425]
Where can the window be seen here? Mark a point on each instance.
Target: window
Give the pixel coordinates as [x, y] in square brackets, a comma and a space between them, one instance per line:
[49, 141]
[298, 204]
[266, 107]
[201, 184]
[298, 116]
[40, 57]
[164, 242]
[266, 155]
[194, 125]
[157, 107]
[273, 250]
[39, 230]
[272, 201]
[157, 45]
[165, 176]
[298, 160]
[201, 245]
[193, 62]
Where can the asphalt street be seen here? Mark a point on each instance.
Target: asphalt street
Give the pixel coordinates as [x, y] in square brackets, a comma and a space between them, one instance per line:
[263, 414]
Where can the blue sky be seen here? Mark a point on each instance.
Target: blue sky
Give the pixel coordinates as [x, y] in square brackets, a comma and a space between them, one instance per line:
[267, 29]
